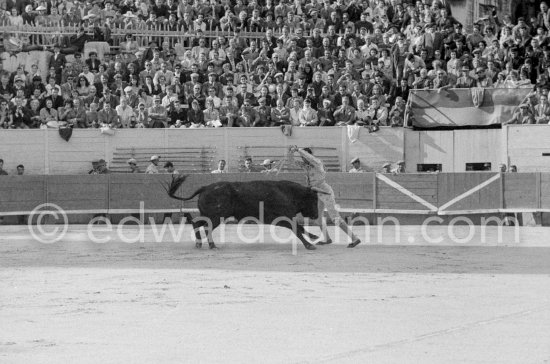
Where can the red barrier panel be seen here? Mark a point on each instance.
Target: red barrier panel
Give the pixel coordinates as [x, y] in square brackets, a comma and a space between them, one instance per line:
[128, 191]
[469, 191]
[445, 193]
[79, 193]
[21, 193]
[417, 192]
[521, 191]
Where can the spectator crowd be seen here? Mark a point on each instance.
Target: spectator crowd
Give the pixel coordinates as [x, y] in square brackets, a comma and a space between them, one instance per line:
[279, 63]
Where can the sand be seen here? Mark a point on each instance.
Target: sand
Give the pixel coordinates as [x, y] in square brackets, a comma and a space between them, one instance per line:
[78, 302]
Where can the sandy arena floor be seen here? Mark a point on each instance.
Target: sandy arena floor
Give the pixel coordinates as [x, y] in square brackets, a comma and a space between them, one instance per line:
[78, 302]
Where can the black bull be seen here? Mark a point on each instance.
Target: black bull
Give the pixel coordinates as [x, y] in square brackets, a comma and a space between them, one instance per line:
[282, 201]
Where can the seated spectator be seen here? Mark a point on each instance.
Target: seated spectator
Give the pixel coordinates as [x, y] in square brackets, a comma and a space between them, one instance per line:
[195, 116]
[158, 116]
[280, 115]
[307, 115]
[211, 115]
[344, 114]
[326, 114]
[522, 116]
[108, 116]
[125, 114]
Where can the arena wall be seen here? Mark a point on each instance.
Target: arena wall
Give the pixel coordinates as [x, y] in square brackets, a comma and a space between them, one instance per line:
[454, 148]
[45, 152]
[527, 145]
[422, 194]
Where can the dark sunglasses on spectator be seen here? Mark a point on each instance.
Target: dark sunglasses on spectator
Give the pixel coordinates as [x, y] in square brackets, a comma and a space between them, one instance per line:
[132, 164]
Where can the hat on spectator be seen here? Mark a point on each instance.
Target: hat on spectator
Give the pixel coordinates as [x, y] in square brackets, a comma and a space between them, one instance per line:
[261, 99]
[155, 158]
[386, 165]
[279, 74]
[480, 69]
[212, 74]
[194, 74]
[156, 97]
[128, 89]
[132, 161]
[400, 162]
[37, 78]
[129, 14]
[41, 8]
[267, 162]
[465, 68]
[330, 72]
[17, 78]
[354, 160]
[524, 105]
[101, 162]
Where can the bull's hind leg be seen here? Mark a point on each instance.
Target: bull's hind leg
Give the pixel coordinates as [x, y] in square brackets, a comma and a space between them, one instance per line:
[299, 231]
[209, 229]
[198, 224]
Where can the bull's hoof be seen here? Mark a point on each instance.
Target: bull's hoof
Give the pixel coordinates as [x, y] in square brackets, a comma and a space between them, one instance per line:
[310, 247]
[198, 245]
[329, 241]
[212, 246]
[354, 243]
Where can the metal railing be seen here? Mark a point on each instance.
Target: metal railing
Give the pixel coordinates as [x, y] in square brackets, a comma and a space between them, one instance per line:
[143, 35]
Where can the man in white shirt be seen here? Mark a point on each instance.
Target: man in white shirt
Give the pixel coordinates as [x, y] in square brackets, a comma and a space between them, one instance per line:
[221, 167]
[153, 167]
[125, 113]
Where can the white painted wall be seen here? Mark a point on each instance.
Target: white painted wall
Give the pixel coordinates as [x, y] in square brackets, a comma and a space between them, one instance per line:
[44, 151]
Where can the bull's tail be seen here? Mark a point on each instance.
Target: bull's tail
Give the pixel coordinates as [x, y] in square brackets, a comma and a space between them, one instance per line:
[174, 186]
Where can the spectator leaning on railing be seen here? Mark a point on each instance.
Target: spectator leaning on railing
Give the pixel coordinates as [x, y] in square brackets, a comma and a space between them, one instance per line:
[354, 61]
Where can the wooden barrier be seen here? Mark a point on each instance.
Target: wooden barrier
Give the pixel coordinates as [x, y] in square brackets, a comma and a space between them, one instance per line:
[21, 193]
[79, 193]
[424, 194]
[407, 192]
[469, 191]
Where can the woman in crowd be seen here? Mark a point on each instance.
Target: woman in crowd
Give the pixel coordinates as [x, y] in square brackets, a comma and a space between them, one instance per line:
[48, 114]
[211, 115]
[83, 88]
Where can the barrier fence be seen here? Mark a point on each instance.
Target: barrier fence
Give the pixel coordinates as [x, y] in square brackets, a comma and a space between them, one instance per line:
[143, 35]
[423, 194]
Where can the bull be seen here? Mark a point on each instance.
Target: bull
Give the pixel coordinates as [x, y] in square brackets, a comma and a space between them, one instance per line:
[282, 201]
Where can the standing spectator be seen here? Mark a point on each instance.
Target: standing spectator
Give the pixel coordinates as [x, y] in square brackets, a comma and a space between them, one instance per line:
[356, 166]
[153, 167]
[169, 167]
[133, 165]
[2, 171]
[221, 167]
